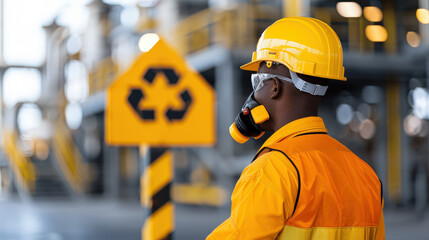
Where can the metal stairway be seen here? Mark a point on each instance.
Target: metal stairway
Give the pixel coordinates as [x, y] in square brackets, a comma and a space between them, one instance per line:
[49, 183]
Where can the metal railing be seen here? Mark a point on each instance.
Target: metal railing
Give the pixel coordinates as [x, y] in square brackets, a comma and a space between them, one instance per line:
[71, 162]
[22, 167]
[239, 27]
[102, 76]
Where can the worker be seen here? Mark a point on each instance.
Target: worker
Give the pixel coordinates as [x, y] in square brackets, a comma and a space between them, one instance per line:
[302, 183]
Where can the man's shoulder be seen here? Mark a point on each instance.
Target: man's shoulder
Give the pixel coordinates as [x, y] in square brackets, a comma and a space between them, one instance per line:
[269, 162]
[322, 146]
[309, 142]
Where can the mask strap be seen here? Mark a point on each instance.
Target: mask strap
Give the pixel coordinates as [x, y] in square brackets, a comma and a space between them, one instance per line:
[303, 86]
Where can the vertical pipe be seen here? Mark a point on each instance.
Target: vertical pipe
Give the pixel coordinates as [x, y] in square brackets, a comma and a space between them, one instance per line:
[422, 178]
[393, 97]
[353, 29]
[424, 32]
[364, 44]
[424, 28]
[323, 14]
[110, 167]
[226, 89]
[393, 141]
[390, 45]
[293, 8]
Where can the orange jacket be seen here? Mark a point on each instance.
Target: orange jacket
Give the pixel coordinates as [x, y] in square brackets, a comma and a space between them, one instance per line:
[305, 185]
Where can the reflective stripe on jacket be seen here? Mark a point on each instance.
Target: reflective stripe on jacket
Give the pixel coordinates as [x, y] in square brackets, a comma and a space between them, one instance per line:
[305, 185]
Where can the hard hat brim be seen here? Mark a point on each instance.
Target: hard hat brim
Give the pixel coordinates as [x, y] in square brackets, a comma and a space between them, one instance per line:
[254, 66]
[251, 66]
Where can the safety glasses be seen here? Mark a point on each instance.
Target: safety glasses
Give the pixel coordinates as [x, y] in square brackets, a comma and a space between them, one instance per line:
[258, 79]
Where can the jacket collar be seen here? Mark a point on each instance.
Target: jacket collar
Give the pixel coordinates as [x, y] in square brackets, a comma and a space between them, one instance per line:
[299, 126]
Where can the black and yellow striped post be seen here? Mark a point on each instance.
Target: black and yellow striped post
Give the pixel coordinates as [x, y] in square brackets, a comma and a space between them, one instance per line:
[156, 182]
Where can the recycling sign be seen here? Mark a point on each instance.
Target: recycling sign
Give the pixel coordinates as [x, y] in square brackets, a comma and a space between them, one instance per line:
[160, 101]
[137, 95]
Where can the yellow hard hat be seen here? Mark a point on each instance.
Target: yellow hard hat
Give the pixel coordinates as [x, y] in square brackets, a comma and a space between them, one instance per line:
[304, 45]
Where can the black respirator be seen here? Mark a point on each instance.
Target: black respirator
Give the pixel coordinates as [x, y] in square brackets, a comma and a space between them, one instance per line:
[247, 122]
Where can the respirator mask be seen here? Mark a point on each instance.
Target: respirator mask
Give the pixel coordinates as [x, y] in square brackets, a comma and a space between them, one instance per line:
[247, 123]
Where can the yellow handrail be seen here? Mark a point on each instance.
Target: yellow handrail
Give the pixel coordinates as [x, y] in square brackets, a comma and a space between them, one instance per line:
[21, 165]
[69, 159]
[201, 30]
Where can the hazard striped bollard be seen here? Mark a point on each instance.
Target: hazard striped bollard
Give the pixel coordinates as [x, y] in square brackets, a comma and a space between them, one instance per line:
[156, 182]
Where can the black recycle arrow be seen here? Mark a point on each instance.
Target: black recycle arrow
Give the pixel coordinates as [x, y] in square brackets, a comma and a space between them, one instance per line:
[169, 73]
[136, 95]
[178, 114]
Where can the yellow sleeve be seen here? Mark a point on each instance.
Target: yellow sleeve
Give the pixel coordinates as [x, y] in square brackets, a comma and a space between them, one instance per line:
[262, 200]
[380, 228]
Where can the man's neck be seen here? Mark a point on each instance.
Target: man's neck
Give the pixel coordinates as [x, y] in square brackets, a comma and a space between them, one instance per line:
[290, 117]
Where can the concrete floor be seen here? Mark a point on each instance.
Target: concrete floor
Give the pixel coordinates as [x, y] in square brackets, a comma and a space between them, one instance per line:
[69, 220]
[100, 219]
[406, 224]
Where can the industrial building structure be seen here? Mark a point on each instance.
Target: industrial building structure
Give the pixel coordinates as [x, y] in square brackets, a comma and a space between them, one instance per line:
[380, 113]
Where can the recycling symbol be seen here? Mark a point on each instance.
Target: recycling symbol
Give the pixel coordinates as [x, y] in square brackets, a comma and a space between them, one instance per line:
[137, 95]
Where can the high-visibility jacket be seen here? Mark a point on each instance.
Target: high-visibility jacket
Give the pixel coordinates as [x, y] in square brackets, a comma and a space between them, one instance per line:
[303, 184]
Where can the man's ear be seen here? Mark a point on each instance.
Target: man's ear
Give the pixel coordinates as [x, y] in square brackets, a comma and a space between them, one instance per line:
[276, 88]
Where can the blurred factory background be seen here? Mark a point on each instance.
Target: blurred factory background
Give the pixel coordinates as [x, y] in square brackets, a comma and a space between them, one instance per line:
[60, 180]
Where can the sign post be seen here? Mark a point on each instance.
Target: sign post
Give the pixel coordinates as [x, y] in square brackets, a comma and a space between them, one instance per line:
[160, 102]
[156, 183]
